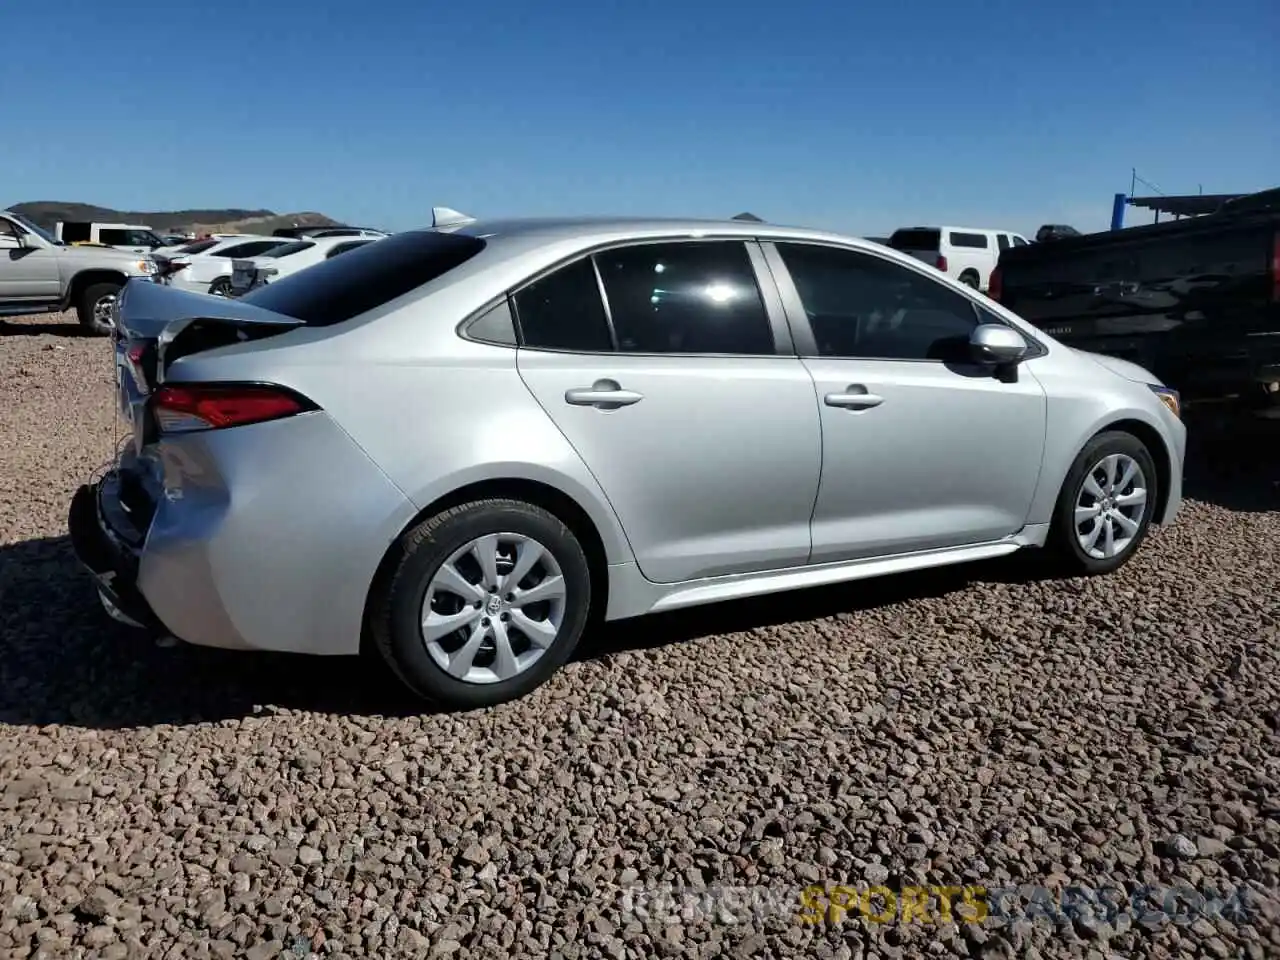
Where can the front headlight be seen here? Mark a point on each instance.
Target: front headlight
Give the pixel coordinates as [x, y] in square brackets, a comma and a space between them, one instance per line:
[148, 268]
[1169, 397]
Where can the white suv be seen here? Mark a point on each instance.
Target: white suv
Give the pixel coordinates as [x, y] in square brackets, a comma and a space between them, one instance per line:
[967, 253]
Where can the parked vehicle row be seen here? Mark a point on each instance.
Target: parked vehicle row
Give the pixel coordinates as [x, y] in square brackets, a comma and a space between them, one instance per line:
[302, 233]
[251, 272]
[1197, 300]
[463, 443]
[40, 274]
[235, 264]
[967, 253]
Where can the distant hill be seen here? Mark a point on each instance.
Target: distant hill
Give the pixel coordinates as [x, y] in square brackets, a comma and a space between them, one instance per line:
[46, 213]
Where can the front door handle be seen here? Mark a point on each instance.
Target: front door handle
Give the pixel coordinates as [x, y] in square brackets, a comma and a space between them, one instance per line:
[604, 394]
[855, 397]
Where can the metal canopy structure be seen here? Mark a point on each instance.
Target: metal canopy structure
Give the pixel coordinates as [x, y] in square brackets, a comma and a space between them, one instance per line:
[1189, 206]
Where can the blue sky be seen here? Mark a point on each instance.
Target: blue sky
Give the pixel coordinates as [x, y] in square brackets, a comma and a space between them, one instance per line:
[853, 116]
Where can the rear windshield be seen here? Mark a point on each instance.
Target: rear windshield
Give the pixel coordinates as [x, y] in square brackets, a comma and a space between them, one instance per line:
[915, 239]
[364, 279]
[200, 245]
[289, 249]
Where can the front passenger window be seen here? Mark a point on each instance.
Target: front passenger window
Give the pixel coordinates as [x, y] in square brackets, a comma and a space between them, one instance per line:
[861, 306]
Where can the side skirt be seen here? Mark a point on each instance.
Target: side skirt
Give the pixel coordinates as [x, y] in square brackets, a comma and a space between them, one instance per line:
[631, 595]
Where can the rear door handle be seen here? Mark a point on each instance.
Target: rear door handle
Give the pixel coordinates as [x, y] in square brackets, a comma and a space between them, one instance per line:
[605, 394]
[855, 397]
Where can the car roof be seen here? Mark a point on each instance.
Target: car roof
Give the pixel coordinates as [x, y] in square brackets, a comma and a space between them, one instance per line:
[587, 231]
[220, 243]
[951, 228]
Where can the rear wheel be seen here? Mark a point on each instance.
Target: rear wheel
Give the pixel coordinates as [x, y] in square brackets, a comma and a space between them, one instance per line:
[969, 279]
[221, 287]
[95, 307]
[487, 600]
[1106, 504]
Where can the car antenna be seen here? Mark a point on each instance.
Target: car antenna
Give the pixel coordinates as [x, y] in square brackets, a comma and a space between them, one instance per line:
[442, 217]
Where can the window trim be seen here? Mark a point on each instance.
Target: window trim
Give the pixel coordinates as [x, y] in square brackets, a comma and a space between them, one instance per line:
[604, 302]
[802, 332]
[765, 284]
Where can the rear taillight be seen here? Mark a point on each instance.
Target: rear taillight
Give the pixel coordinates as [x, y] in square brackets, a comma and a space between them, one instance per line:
[1275, 268]
[995, 284]
[941, 263]
[140, 361]
[189, 407]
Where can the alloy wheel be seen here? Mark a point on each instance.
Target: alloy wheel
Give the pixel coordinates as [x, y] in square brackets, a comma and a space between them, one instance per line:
[1110, 506]
[493, 608]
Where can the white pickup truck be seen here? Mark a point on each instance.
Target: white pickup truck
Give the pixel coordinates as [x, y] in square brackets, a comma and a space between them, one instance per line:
[40, 274]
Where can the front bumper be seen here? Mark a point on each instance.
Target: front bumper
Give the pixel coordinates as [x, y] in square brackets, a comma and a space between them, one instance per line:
[109, 558]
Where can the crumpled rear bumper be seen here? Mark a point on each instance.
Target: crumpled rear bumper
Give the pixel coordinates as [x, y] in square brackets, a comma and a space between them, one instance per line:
[262, 537]
[110, 559]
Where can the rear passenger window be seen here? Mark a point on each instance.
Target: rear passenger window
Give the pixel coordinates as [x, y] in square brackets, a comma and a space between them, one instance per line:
[563, 311]
[687, 297]
[977, 241]
[862, 307]
[1002, 241]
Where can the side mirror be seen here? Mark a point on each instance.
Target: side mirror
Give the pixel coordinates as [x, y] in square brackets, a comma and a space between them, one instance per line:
[995, 343]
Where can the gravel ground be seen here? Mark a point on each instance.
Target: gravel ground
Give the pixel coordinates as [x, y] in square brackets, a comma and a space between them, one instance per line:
[976, 726]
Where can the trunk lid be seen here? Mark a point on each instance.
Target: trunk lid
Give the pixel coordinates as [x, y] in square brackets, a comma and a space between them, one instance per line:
[156, 325]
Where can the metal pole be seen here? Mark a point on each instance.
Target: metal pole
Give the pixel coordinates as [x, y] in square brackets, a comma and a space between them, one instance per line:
[1117, 212]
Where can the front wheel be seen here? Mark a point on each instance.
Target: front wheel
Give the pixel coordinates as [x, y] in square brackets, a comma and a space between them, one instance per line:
[487, 600]
[1106, 504]
[221, 287]
[95, 308]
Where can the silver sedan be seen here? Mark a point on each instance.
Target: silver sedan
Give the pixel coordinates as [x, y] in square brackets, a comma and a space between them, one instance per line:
[465, 444]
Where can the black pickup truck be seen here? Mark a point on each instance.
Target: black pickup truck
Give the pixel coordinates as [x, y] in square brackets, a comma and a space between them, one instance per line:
[1195, 301]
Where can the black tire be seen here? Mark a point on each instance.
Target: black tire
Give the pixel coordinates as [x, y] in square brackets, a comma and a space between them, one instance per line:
[1063, 541]
[221, 287]
[86, 307]
[969, 279]
[396, 610]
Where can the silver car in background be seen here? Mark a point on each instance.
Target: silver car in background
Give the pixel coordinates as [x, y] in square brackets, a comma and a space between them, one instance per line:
[465, 445]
